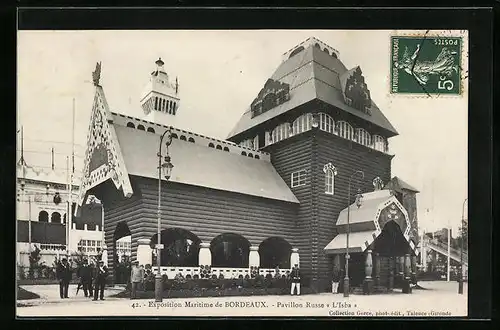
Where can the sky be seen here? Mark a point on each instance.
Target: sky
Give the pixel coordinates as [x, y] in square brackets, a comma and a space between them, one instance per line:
[220, 73]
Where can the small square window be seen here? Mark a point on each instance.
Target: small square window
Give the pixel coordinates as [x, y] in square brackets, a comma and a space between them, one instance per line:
[299, 178]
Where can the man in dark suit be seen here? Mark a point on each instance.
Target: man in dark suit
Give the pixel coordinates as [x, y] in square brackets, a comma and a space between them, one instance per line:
[295, 275]
[63, 274]
[100, 275]
[85, 274]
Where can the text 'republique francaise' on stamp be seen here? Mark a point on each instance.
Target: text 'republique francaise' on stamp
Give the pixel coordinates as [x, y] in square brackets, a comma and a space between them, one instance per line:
[428, 65]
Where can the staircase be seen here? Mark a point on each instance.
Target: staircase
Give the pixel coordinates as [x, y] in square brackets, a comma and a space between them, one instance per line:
[443, 249]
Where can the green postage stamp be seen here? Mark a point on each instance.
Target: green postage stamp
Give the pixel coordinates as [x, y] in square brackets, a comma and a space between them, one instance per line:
[426, 65]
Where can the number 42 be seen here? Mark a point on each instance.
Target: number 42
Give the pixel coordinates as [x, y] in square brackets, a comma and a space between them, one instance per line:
[445, 84]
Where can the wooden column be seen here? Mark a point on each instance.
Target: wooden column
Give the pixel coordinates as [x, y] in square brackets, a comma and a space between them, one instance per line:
[254, 257]
[406, 273]
[205, 255]
[377, 268]
[401, 261]
[392, 264]
[414, 269]
[368, 281]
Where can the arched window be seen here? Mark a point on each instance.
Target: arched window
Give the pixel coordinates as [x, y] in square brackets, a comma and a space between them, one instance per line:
[156, 103]
[250, 155]
[43, 216]
[243, 153]
[326, 51]
[168, 106]
[281, 132]
[330, 173]
[226, 149]
[174, 136]
[211, 145]
[191, 140]
[257, 157]
[151, 130]
[302, 123]
[130, 124]
[175, 108]
[219, 147]
[345, 130]
[326, 123]
[364, 137]
[183, 138]
[55, 217]
[141, 127]
[379, 143]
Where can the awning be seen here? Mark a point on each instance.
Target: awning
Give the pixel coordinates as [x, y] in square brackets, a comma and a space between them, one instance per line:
[358, 242]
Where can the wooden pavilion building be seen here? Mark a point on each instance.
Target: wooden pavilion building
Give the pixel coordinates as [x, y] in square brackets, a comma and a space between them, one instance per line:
[273, 194]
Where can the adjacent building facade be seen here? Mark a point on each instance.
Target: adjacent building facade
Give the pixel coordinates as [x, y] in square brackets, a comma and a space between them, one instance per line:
[273, 194]
[42, 217]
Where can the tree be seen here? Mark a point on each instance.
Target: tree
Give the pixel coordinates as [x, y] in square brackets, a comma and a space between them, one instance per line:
[34, 259]
[463, 234]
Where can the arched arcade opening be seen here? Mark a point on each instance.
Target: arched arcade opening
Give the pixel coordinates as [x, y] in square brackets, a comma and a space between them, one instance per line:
[121, 252]
[230, 250]
[275, 251]
[181, 248]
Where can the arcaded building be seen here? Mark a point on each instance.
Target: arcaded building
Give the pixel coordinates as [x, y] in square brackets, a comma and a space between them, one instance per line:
[274, 193]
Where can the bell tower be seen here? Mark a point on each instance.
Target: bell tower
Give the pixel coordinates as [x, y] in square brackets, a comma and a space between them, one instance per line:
[160, 98]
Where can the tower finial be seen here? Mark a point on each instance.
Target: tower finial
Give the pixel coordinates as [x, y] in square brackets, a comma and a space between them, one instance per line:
[96, 74]
[159, 62]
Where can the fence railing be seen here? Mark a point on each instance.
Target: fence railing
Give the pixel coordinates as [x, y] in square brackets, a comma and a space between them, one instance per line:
[226, 272]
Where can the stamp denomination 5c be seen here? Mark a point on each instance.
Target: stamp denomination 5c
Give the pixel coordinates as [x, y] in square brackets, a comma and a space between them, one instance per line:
[426, 65]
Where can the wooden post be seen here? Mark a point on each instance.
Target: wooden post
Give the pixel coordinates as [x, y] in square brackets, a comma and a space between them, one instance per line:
[414, 269]
[368, 281]
[401, 260]
[377, 268]
[391, 273]
[407, 273]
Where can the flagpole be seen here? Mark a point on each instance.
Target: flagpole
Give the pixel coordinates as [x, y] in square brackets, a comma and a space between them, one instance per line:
[448, 258]
[68, 209]
[70, 198]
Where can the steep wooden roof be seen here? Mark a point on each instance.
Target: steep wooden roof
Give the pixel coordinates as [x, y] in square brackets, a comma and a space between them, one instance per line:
[312, 74]
[199, 165]
[398, 185]
[115, 152]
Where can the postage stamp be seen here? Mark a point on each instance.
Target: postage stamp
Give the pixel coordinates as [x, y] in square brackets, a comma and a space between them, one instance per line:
[426, 65]
[197, 188]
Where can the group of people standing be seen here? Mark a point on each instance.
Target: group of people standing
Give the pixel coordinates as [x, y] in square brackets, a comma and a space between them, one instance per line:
[91, 278]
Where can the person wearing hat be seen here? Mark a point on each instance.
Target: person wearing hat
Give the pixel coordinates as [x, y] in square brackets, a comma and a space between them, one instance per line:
[295, 275]
[85, 275]
[100, 275]
[136, 278]
[63, 274]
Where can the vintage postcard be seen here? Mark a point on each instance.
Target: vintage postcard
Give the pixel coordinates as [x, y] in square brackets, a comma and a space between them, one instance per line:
[242, 173]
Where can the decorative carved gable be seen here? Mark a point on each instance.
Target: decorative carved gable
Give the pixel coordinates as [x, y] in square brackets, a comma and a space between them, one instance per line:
[393, 213]
[103, 158]
[271, 95]
[355, 90]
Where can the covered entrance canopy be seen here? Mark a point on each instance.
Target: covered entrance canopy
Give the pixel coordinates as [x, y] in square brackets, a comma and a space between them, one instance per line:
[367, 222]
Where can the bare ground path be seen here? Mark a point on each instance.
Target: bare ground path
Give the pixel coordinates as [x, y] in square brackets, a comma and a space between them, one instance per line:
[439, 299]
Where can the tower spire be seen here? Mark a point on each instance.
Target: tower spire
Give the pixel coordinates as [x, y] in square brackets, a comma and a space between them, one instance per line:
[160, 99]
